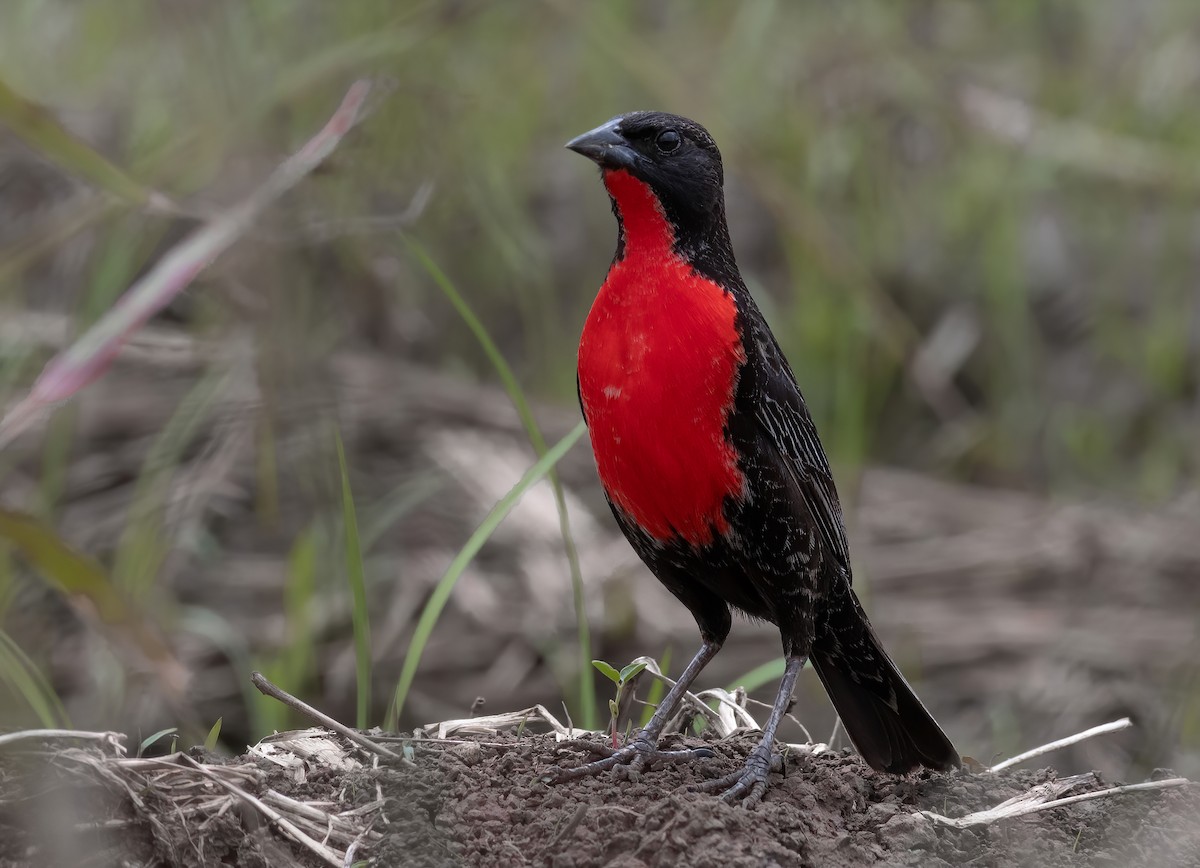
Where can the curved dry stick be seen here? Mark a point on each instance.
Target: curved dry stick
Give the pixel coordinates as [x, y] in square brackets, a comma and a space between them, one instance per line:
[1114, 726]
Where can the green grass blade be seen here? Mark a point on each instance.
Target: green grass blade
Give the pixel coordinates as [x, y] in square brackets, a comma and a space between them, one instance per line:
[61, 566]
[143, 544]
[293, 664]
[297, 656]
[411, 494]
[356, 576]
[49, 139]
[441, 593]
[770, 671]
[79, 577]
[25, 679]
[8, 580]
[657, 688]
[231, 642]
[587, 699]
[76, 575]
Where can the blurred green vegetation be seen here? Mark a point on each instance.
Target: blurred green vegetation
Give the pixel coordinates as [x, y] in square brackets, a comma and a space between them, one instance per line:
[865, 202]
[972, 225]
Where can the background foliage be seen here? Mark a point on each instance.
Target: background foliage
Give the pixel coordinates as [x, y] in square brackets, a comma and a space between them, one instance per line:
[973, 226]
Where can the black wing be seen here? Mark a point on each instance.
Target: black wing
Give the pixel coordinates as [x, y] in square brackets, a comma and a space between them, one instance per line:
[768, 393]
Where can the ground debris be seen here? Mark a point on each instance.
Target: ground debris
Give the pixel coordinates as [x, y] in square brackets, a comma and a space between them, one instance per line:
[487, 797]
[76, 798]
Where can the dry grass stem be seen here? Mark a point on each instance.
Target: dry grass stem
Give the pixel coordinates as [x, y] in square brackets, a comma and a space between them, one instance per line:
[1042, 798]
[491, 724]
[179, 790]
[1114, 726]
[275, 692]
[113, 740]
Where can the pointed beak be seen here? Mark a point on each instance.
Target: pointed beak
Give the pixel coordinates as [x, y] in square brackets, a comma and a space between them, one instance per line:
[605, 146]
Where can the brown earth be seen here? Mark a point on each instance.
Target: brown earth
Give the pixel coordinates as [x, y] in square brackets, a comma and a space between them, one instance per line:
[827, 810]
[488, 803]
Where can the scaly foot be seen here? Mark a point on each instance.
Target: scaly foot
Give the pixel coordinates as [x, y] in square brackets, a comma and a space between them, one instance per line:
[638, 754]
[750, 783]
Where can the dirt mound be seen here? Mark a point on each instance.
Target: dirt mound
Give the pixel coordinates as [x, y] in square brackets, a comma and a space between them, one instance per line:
[827, 810]
[472, 802]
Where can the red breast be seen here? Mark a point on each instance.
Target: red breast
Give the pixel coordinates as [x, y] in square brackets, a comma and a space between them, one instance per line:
[658, 367]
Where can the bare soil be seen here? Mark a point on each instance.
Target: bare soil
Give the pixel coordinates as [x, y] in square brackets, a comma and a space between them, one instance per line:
[488, 803]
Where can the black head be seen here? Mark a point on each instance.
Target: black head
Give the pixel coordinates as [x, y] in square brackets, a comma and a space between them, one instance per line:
[676, 157]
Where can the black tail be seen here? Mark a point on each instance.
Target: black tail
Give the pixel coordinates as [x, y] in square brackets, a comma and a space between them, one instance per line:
[880, 712]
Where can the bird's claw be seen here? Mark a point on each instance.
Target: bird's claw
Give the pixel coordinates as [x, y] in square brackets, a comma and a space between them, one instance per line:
[749, 784]
[629, 760]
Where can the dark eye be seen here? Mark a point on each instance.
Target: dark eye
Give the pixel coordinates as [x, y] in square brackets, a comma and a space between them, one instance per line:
[667, 141]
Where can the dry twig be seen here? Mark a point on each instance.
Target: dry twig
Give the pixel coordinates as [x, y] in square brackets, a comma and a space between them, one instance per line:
[1038, 799]
[113, 740]
[275, 692]
[1114, 726]
[183, 790]
[1047, 795]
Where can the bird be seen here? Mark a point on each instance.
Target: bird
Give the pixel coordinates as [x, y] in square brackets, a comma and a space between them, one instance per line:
[711, 464]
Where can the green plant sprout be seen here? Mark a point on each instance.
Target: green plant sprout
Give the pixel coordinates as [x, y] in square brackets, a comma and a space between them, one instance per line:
[151, 739]
[622, 680]
[214, 735]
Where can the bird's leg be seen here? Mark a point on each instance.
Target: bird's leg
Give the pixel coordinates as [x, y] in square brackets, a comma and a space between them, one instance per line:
[751, 782]
[643, 748]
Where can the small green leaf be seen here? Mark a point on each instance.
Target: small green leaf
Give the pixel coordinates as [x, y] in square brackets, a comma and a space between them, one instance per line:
[613, 708]
[607, 671]
[151, 739]
[210, 741]
[631, 670]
